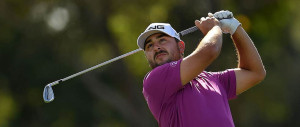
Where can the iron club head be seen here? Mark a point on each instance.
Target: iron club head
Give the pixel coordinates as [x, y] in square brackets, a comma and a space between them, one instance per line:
[48, 94]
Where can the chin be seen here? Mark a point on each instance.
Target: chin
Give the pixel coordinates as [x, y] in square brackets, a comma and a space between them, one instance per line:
[163, 62]
[156, 64]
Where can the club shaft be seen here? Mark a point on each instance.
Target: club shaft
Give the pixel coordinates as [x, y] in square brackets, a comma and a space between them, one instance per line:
[95, 67]
[182, 33]
[189, 30]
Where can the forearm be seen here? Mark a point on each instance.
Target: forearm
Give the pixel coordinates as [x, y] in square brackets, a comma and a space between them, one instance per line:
[212, 39]
[248, 56]
[209, 47]
[205, 53]
[250, 70]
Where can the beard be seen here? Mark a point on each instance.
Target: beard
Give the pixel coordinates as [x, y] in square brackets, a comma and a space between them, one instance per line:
[154, 64]
[171, 57]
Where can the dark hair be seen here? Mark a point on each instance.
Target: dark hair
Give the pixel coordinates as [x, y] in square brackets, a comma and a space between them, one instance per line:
[176, 40]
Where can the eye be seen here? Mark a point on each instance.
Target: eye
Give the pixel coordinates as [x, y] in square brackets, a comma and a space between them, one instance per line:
[162, 40]
[149, 45]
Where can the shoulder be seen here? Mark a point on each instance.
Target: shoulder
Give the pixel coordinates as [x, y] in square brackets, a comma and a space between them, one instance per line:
[220, 74]
[163, 70]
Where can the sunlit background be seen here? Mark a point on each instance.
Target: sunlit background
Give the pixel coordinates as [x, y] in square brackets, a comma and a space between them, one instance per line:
[44, 40]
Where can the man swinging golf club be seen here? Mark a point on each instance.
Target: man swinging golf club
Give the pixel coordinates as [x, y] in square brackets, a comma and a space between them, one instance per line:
[178, 91]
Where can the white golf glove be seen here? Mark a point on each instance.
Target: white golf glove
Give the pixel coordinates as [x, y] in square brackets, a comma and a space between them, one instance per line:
[228, 23]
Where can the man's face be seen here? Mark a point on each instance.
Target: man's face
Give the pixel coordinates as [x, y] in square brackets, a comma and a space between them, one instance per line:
[160, 49]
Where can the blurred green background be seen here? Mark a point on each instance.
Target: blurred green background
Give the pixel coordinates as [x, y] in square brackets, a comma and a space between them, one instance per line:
[44, 40]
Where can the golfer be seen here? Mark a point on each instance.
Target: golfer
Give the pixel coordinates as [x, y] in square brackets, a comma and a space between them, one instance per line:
[178, 90]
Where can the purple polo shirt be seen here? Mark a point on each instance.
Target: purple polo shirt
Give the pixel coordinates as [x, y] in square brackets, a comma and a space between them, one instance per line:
[203, 102]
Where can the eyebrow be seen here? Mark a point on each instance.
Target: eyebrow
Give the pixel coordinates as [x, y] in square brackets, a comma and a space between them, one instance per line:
[159, 36]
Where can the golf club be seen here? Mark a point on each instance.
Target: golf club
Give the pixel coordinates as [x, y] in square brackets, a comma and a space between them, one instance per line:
[48, 94]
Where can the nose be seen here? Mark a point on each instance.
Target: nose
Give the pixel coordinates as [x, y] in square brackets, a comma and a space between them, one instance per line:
[156, 47]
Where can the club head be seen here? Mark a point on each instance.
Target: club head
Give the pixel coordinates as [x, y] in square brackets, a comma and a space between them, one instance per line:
[48, 94]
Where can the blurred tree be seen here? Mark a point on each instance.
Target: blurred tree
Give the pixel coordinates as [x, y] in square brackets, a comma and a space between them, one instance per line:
[41, 41]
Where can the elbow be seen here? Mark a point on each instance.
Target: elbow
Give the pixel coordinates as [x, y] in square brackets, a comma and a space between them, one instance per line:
[208, 51]
[214, 51]
[212, 47]
[261, 75]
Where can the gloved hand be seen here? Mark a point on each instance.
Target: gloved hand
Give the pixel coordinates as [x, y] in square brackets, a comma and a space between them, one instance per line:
[228, 23]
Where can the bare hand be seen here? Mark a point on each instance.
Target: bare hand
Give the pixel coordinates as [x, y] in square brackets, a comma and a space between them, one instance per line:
[206, 24]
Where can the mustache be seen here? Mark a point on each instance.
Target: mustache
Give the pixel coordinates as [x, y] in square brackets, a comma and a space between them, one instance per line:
[159, 52]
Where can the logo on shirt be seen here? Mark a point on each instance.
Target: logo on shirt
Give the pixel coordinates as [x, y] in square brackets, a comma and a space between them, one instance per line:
[173, 64]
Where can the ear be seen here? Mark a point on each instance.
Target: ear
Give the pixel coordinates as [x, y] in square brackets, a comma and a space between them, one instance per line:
[181, 47]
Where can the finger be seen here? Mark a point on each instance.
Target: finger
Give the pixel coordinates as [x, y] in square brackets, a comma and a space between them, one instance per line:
[219, 15]
[210, 15]
[211, 18]
[223, 14]
[202, 18]
[231, 15]
[197, 23]
[216, 15]
[226, 14]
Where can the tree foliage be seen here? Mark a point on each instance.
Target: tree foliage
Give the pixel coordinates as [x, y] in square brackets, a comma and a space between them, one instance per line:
[42, 41]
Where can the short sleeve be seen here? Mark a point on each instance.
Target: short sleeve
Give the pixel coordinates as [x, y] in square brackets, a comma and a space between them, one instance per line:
[161, 83]
[164, 80]
[227, 79]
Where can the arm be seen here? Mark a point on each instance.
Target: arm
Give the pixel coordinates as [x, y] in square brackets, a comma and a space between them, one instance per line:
[205, 53]
[250, 69]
